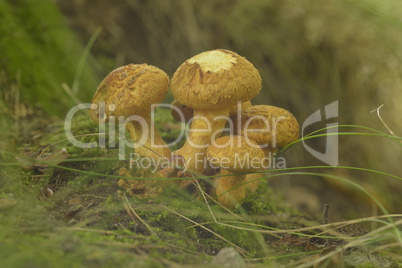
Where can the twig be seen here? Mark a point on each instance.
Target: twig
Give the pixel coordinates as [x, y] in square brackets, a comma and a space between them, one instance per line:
[325, 219]
[325, 214]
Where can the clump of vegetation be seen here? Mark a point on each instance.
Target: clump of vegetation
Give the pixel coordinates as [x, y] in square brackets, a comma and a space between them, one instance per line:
[59, 209]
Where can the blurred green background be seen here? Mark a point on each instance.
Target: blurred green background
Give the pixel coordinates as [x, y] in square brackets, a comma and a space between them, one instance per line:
[309, 52]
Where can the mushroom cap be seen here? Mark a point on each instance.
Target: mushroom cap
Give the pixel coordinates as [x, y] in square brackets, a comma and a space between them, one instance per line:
[131, 89]
[215, 79]
[236, 154]
[274, 124]
[243, 106]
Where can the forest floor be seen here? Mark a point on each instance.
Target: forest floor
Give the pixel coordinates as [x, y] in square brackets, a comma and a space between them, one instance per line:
[61, 204]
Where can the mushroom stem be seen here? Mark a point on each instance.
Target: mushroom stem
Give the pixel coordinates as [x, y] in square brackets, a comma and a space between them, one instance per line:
[235, 156]
[147, 138]
[206, 126]
[227, 188]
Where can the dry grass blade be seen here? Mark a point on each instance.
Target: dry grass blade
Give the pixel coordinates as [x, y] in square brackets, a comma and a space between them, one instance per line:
[385, 247]
[331, 225]
[72, 95]
[360, 241]
[243, 221]
[242, 251]
[89, 230]
[382, 120]
[131, 212]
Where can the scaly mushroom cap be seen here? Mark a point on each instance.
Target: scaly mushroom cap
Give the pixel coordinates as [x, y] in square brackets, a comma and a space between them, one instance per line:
[132, 89]
[215, 79]
[236, 154]
[273, 123]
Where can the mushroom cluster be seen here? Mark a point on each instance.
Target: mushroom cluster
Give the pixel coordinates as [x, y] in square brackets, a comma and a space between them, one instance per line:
[227, 136]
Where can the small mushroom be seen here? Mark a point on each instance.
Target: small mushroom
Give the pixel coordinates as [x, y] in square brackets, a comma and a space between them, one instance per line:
[235, 156]
[211, 83]
[127, 93]
[184, 113]
[130, 91]
[270, 127]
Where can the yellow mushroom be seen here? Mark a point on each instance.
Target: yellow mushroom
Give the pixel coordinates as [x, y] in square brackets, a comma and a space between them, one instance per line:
[211, 83]
[130, 91]
[270, 127]
[128, 94]
[235, 156]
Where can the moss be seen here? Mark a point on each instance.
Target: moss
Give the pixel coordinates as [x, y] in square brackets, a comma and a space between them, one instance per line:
[42, 53]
